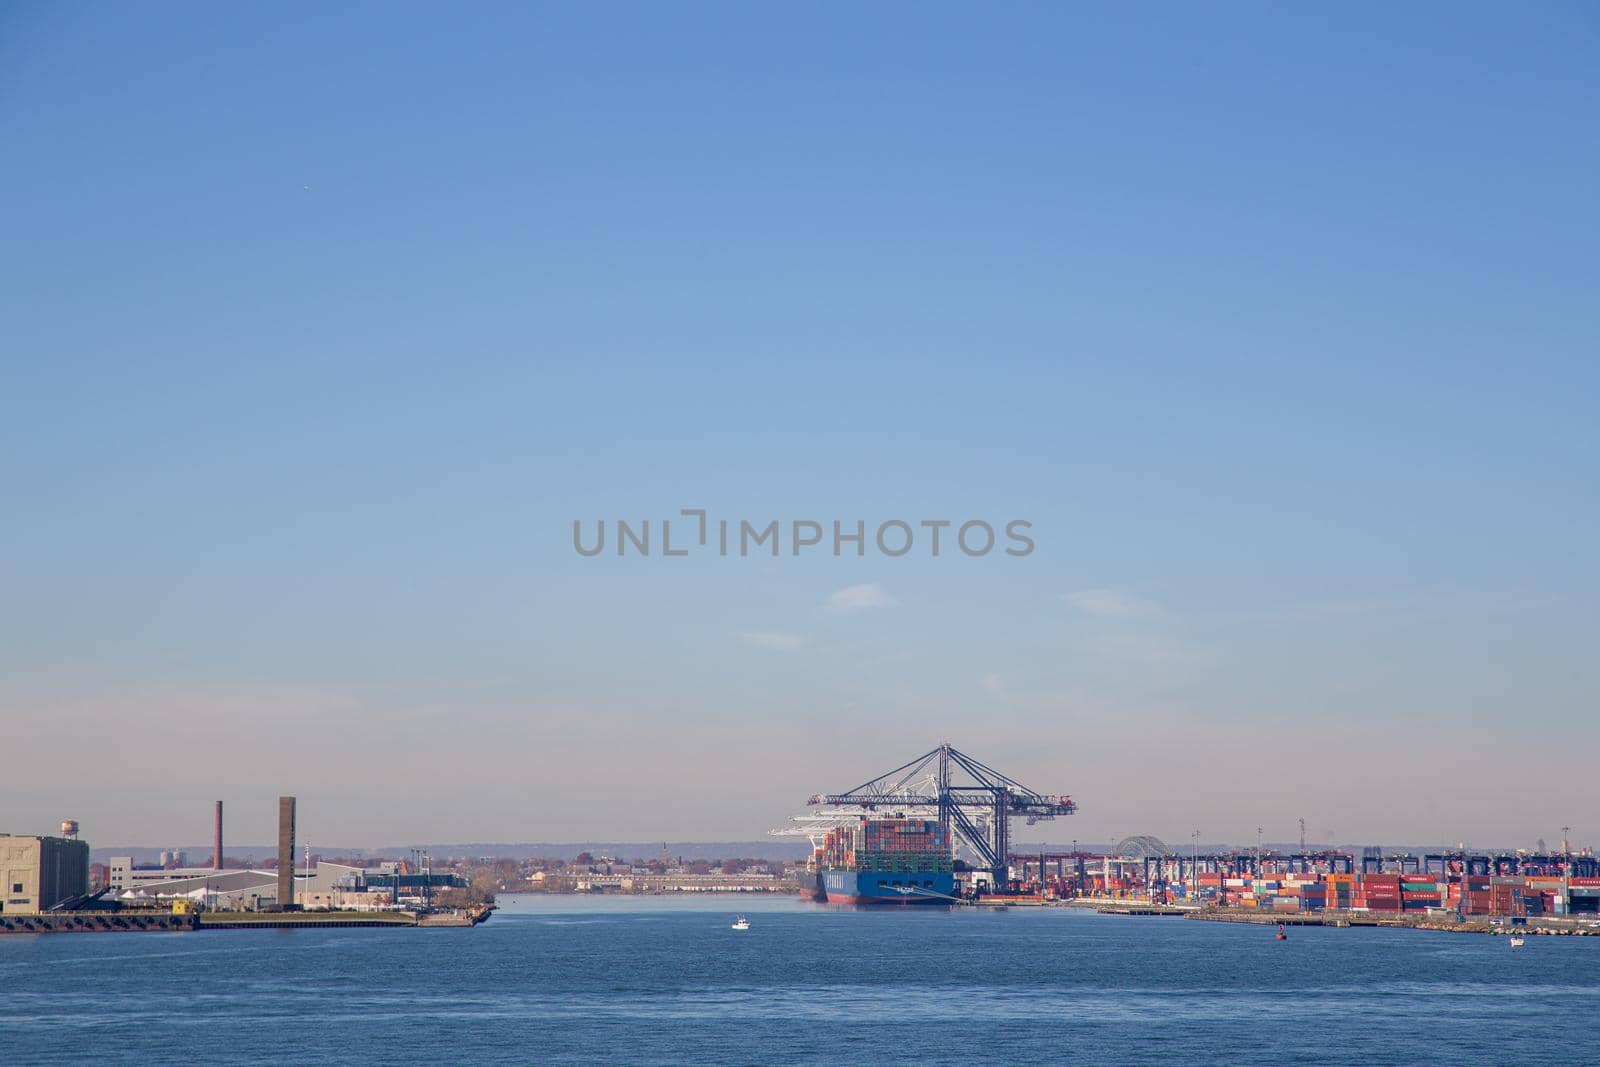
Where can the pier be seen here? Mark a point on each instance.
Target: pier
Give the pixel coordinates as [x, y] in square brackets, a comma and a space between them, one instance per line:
[1446, 924]
[152, 921]
[84, 922]
[1141, 909]
[248, 920]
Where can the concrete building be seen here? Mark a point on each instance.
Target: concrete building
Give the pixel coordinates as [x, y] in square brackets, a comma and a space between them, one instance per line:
[41, 872]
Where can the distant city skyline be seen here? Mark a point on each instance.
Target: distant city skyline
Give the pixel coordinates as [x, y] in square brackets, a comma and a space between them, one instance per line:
[324, 324]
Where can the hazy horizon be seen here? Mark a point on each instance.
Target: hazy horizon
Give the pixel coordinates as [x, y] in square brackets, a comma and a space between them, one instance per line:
[767, 848]
[325, 325]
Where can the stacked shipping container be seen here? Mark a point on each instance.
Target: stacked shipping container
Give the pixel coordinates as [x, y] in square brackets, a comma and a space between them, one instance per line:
[1472, 894]
[886, 845]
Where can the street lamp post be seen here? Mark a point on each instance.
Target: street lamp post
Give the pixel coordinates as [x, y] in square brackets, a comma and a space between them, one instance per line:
[1566, 871]
[1194, 867]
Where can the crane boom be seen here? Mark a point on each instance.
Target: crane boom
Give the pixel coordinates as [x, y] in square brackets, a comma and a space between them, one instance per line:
[972, 801]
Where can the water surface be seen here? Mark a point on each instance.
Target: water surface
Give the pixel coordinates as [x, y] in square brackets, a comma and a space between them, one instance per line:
[664, 980]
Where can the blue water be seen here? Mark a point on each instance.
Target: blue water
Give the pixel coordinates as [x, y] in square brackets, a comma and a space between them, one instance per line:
[656, 980]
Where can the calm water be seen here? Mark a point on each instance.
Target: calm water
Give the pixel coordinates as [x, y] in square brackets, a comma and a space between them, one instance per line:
[563, 979]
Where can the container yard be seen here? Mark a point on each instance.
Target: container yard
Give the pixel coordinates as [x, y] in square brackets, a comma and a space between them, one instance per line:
[1511, 885]
[937, 830]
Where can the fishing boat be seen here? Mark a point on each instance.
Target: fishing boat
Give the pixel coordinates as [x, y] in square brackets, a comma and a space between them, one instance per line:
[741, 923]
[1516, 940]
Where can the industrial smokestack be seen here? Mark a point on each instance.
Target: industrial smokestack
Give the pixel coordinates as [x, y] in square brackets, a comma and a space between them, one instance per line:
[216, 840]
[285, 851]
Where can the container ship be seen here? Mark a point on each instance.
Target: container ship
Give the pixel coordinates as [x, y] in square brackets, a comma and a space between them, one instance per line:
[886, 861]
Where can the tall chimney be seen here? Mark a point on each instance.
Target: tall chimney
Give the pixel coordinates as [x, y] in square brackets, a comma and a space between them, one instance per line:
[285, 851]
[216, 841]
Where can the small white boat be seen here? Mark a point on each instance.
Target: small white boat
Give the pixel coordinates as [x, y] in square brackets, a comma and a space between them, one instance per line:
[741, 923]
[1516, 941]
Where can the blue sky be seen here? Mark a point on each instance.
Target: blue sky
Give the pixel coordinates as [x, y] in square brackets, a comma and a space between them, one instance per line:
[322, 327]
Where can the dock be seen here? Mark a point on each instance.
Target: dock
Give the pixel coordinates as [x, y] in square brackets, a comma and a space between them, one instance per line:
[153, 921]
[288, 920]
[1264, 918]
[1346, 919]
[87, 922]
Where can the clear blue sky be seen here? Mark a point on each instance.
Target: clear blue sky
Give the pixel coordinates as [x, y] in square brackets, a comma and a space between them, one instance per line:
[321, 327]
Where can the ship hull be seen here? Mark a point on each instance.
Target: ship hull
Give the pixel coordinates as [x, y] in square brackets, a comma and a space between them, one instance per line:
[888, 887]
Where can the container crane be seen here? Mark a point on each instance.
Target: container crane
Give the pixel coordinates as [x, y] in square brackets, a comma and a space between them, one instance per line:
[973, 802]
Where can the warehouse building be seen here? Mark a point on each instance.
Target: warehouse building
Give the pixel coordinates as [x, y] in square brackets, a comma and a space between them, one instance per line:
[121, 874]
[325, 885]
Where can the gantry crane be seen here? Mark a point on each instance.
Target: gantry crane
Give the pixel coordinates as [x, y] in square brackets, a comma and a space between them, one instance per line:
[973, 802]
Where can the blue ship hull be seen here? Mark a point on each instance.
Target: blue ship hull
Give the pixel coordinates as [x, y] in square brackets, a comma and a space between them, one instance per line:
[888, 887]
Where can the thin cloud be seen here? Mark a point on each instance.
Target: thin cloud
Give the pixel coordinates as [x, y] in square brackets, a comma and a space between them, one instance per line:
[777, 642]
[860, 598]
[1111, 604]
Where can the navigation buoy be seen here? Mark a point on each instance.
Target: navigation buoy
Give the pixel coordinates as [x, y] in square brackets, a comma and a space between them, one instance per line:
[1282, 934]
